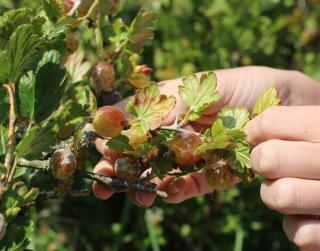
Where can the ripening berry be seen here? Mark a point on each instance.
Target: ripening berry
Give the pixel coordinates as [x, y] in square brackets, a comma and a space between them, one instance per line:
[3, 226]
[108, 121]
[72, 42]
[126, 168]
[111, 154]
[103, 76]
[67, 5]
[183, 146]
[220, 178]
[62, 164]
[84, 7]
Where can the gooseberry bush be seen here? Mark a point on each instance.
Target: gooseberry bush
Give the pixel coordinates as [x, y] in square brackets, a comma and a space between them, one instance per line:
[63, 67]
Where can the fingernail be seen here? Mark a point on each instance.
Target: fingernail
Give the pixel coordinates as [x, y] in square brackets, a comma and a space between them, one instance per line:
[176, 186]
[139, 199]
[247, 130]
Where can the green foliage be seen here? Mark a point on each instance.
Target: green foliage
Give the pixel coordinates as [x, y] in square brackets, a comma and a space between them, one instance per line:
[11, 20]
[40, 93]
[23, 51]
[53, 9]
[150, 108]
[191, 36]
[36, 143]
[4, 106]
[141, 31]
[234, 118]
[18, 234]
[267, 99]
[199, 94]
[120, 143]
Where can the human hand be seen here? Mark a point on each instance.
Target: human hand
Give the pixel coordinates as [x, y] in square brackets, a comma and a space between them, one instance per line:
[237, 87]
[287, 151]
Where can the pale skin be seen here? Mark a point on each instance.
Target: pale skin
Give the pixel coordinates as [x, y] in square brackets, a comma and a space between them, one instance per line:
[286, 150]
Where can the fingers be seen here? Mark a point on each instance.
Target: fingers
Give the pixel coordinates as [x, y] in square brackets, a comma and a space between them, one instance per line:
[178, 190]
[286, 123]
[185, 187]
[275, 159]
[292, 196]
[303, 231]
[107, 153]
[141, 199]
[104, 167]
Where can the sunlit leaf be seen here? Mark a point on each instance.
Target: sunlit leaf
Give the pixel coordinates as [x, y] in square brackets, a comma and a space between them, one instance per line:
[53, 8]
[77, 67]
[141, 30]
[234, 117]
[10, 20]
[199, 94]
[120, 143]
[242, 153]
[218, 138]
[40, 93]
[149, 108]
[23, 51]
[268, 98]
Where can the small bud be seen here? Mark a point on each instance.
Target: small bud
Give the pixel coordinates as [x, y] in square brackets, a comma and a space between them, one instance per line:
[144, 69]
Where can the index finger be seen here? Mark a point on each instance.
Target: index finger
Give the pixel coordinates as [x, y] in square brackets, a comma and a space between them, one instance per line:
[294, 123]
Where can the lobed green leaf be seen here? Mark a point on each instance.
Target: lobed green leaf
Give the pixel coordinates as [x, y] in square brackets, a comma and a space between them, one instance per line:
[268, 98]
[40, 93]
[242, 153]
[141, 30]
[23, 51]
[199, 94]
[4, 69]
[149, 108]
[10, 20]
[26, 93]
[36, 143]
[53, 9]
[217, 138]
[234, 117]
[120, 143]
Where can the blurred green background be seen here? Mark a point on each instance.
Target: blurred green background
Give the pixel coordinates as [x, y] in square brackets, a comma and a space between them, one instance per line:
[194, 35]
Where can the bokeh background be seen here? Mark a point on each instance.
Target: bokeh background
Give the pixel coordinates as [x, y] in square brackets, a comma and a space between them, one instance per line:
[193, 35]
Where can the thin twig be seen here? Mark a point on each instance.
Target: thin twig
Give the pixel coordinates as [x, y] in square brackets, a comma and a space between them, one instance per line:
[119, 185]
[34, 164]
[11, 138]
[178, 129]
[112, 183]
[185, 119]
[47, 195]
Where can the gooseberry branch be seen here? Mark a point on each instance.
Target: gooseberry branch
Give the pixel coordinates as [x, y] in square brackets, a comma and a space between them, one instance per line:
[12, 119]
[112, 183]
